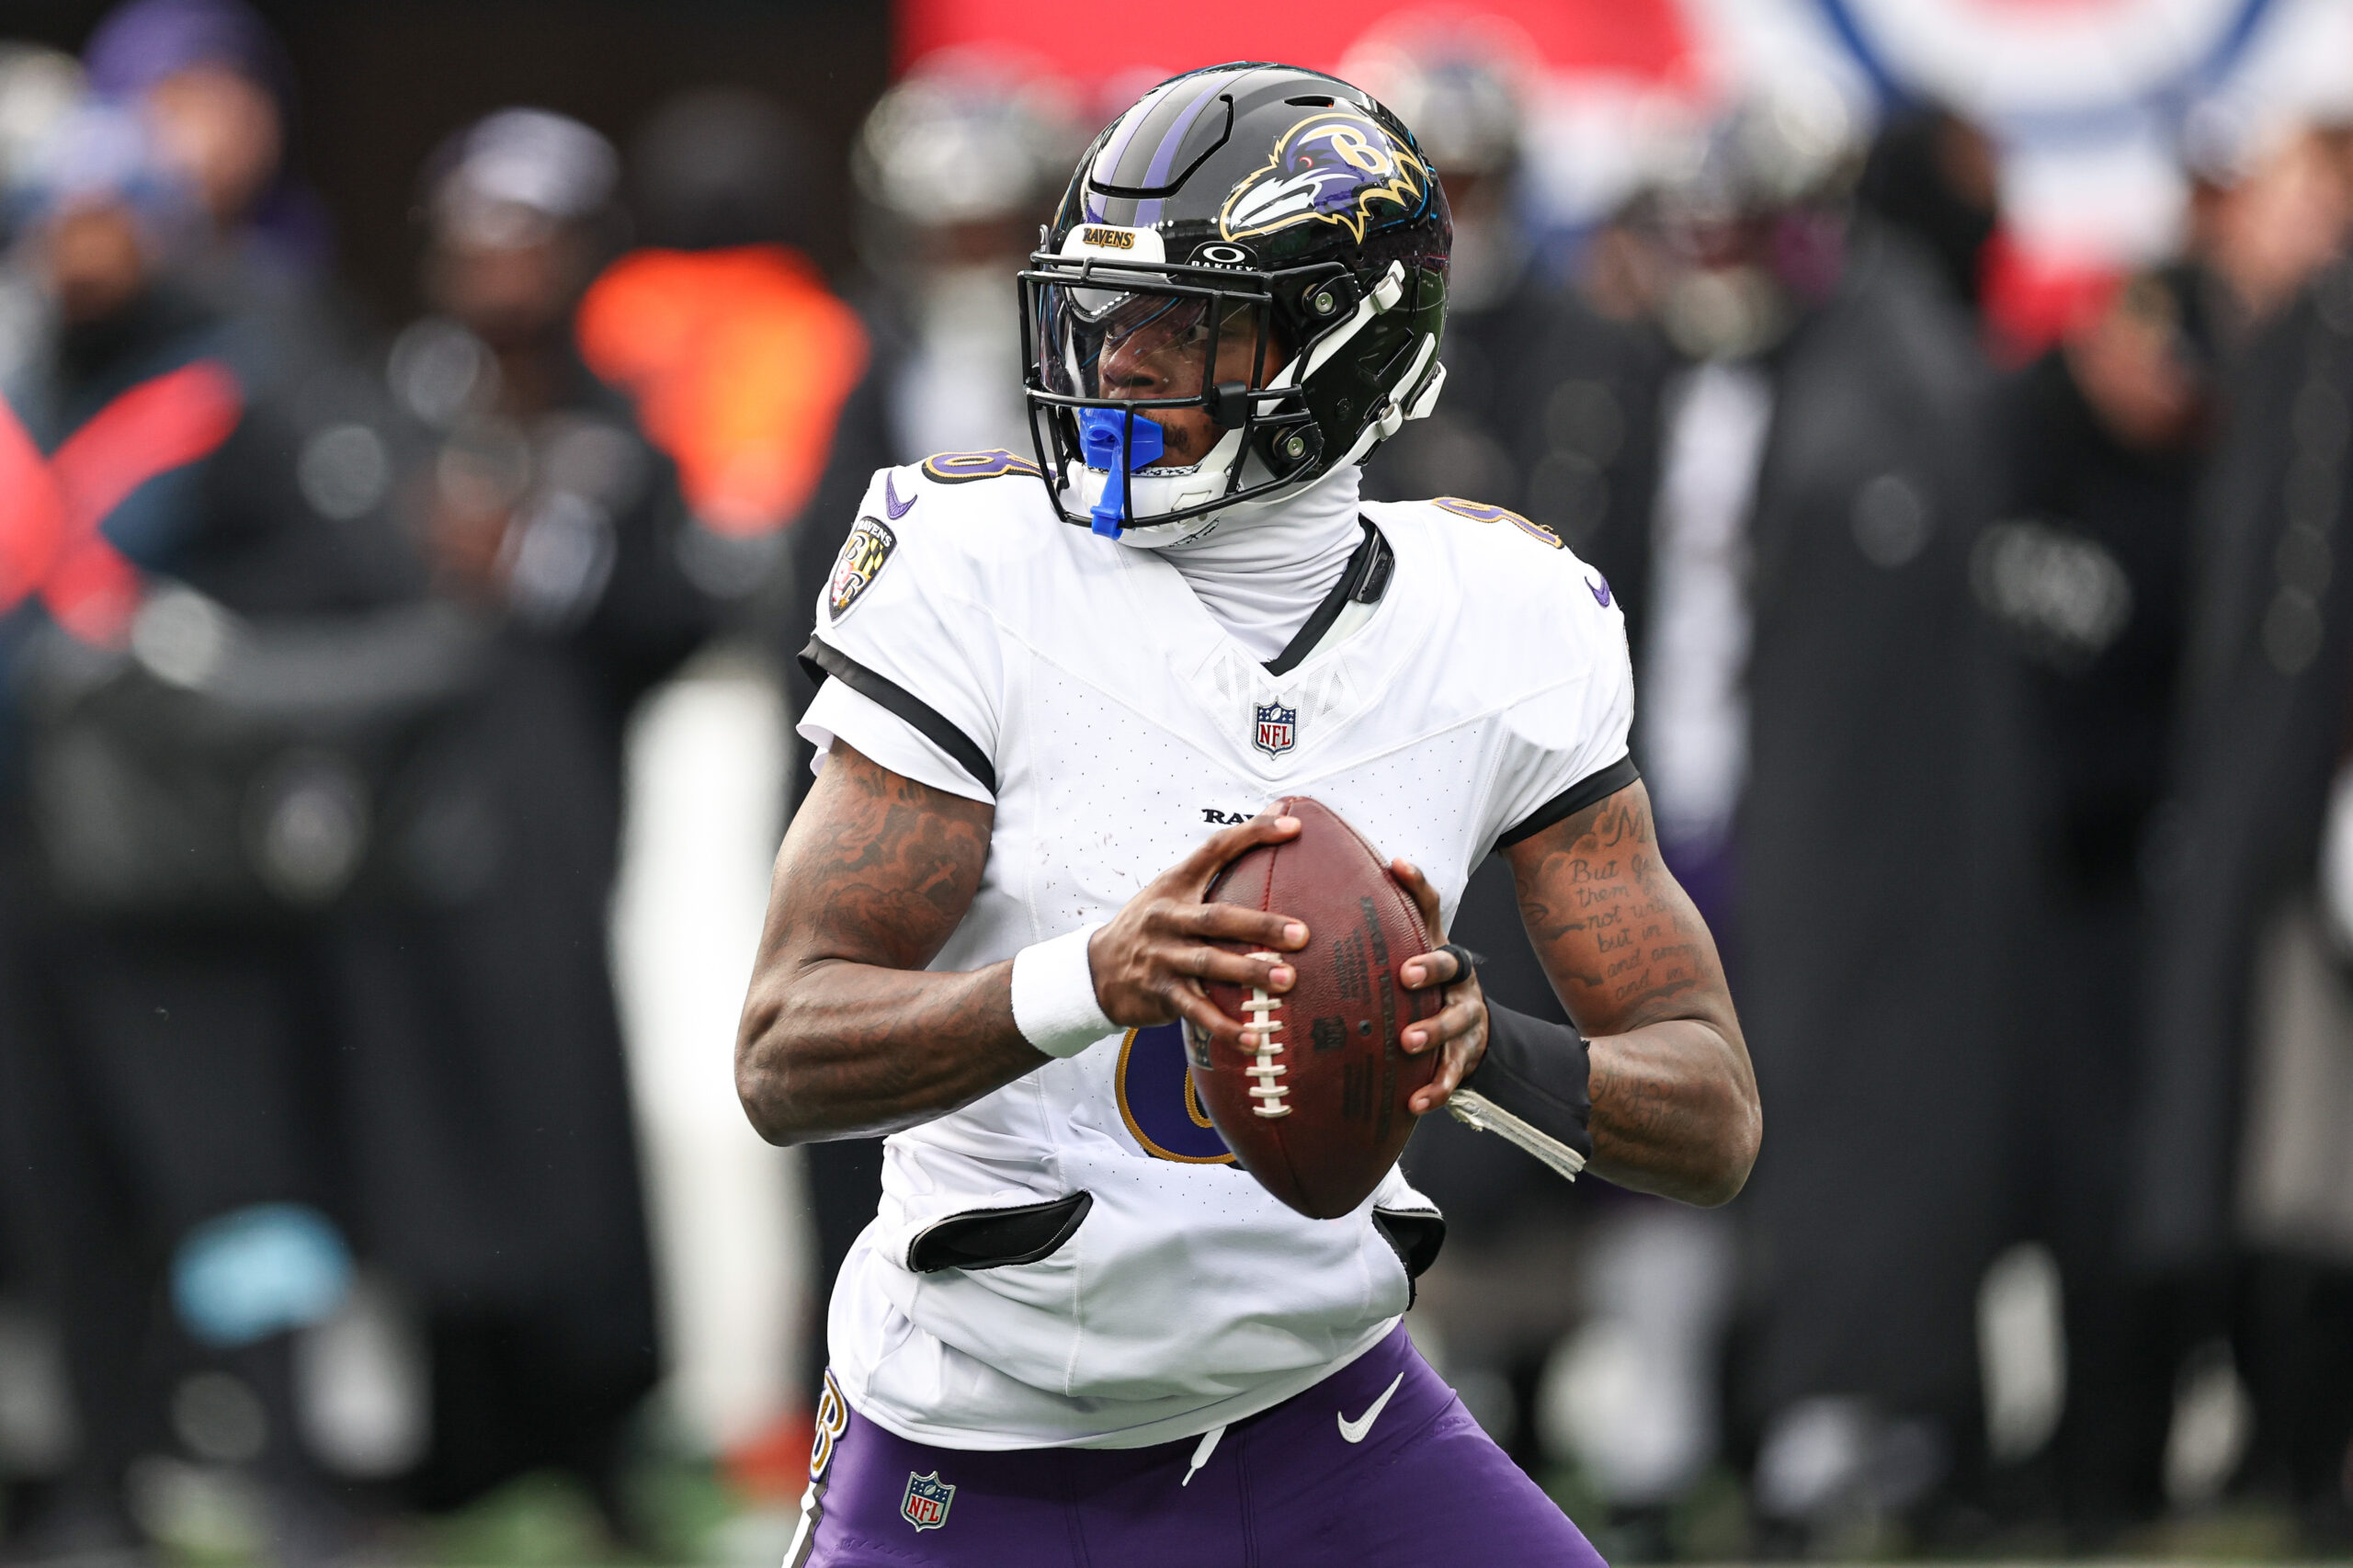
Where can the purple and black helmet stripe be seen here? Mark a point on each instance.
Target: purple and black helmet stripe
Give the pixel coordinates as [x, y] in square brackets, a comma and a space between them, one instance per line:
[1163, 157]
[1142, 150]
[1122, 135]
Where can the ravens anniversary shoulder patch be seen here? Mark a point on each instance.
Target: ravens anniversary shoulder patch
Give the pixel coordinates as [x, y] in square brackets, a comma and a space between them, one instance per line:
[864, 554]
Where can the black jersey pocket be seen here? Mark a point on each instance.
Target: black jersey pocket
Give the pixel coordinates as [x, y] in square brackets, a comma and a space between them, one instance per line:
[998, 1238]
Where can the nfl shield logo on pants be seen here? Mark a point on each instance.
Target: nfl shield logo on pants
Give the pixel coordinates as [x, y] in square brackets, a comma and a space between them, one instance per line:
[925, 1505]
[1277, 729]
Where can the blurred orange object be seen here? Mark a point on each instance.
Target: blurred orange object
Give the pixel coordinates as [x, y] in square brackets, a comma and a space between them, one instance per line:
[776, 1463]
[739, 360]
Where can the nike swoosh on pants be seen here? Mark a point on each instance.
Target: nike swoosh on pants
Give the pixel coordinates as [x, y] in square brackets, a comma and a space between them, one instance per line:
[1354, 1431]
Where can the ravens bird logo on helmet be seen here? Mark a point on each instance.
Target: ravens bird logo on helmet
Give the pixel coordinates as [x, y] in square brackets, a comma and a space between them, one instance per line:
[1329, 168]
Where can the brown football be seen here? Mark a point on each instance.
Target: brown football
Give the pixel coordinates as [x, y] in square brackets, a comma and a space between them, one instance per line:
[1320, 1115]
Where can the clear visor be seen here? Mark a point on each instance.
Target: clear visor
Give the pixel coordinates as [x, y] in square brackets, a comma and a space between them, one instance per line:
[1148, 346]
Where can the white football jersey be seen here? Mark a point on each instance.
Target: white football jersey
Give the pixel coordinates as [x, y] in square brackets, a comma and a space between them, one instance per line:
[980, 645]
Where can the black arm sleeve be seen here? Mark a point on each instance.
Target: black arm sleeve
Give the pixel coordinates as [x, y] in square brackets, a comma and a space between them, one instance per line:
[1538, 1072]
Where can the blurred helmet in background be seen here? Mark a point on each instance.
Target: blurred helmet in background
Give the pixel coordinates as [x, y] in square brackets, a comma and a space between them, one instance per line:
[518, 176]
[522, 211]
[720, 167]
[1755, 227]
[1461, 88]
[1800, 142]
[957, 168]
[961, 159]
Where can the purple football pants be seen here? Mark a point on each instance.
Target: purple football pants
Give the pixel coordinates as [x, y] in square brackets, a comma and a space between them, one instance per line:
[1420, 1483]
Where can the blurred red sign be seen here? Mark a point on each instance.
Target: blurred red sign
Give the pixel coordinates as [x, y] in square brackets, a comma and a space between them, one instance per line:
[1637, 37]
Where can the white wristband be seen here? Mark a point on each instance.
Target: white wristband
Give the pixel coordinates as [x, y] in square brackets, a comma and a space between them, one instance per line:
[1053, 995]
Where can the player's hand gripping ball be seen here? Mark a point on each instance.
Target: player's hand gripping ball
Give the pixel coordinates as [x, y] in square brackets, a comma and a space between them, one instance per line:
[1320, 1107]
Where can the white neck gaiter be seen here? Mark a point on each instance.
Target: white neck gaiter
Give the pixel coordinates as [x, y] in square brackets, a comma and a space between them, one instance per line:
[1263, 569]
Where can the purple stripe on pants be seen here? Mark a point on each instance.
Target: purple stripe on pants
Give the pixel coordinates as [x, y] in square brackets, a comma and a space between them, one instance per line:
[1421, 1485]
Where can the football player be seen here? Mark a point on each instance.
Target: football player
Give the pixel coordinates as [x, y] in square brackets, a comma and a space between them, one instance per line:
[1077, 1332]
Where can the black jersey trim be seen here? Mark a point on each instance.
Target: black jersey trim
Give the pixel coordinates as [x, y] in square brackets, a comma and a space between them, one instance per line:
[1362, 581]
[821, 660]
[1575, 798]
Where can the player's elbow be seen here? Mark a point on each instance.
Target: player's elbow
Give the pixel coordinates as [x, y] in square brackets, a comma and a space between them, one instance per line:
[1733, 1154]
[762, 1107]
[763, 1082]
[756, 1091]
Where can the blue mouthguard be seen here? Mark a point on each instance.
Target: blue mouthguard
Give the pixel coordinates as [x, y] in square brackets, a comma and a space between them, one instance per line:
[1114, 440]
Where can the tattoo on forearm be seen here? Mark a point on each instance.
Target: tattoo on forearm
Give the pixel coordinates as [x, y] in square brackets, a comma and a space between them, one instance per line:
[1635, 967]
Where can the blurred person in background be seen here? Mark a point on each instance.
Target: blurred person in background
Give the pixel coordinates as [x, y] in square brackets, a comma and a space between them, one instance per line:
[1930, 175]
[1551, 410]
[166, 1075]
[38, 87]
[2270, 203]
[217, 91]
[1820, 734]
[2243, 1181]
[486, 1113]
[956, 165]
[1553, 405]
[2087, 575]
[722, 330]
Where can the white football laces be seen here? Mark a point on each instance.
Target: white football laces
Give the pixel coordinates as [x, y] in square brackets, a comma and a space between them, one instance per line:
[1268, 1091]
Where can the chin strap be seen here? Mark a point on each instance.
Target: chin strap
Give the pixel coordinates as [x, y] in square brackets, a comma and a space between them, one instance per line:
[1115, 440]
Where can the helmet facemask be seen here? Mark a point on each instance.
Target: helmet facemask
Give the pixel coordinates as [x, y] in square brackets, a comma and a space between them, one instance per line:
[1114, 350]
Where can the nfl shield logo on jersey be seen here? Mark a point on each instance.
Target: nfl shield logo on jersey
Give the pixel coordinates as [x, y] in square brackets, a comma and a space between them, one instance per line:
[1277, 729]
[925, 1505]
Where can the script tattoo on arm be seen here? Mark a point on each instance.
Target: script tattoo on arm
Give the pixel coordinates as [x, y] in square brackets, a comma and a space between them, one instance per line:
[1675, 1107]
[843, 1032]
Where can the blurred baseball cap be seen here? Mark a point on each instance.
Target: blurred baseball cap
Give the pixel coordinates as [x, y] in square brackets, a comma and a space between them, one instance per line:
[518, 175]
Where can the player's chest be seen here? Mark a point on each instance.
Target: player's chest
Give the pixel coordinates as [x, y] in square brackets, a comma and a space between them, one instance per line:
[1104, 797]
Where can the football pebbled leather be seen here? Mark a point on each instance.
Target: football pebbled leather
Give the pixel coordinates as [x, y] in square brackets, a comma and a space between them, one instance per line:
[1321, 1116]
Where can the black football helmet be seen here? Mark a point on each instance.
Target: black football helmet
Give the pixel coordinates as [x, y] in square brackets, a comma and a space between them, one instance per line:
[1250, 206]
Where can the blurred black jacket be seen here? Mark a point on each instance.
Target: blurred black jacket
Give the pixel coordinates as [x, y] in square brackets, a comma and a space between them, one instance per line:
[486, 1113]
[1867, 885]
[159, 1072]
[2263, 730]
[2086, 578]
